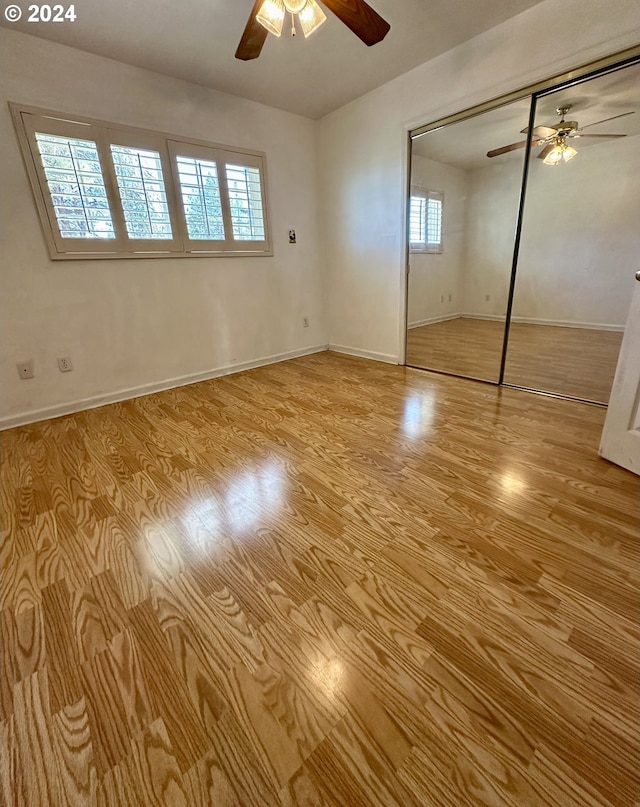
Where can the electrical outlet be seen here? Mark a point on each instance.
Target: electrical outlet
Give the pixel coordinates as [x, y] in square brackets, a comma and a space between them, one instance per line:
[65, 365]
[25, 369]
[305, 322]
[292, 236]
[449, 298]
[487, 297]
[442, 298]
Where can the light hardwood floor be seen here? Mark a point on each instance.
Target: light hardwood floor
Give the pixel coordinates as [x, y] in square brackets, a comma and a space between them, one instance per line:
[579, 362]
[324, 582]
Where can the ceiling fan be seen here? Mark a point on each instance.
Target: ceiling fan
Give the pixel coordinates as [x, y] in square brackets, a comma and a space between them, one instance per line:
[554, 138]
[268, 16]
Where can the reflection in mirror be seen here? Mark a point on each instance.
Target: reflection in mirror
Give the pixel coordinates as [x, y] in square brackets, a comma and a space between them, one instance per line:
[462, 216]
[580, 238]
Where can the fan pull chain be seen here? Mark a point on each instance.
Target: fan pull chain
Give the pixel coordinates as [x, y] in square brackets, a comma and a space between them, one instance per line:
[293, 24]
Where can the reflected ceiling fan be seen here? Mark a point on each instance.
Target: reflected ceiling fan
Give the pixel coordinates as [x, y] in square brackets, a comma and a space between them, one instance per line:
[554, 138]
[268, 16]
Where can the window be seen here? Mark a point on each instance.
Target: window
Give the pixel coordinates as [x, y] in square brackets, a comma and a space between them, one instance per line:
[222, 198]
[142, 194]
[76, 186]
[245, 202]
[201, 198]
[425, 220]
[107, 192]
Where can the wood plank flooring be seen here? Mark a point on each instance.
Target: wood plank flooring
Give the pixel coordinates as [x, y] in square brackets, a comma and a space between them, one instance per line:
[579, 362]
[328, 581]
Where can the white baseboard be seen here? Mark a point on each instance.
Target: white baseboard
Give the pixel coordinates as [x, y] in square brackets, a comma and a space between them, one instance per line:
[488, 317]
[365, 354]
[432, 320]
[94, 402]
[557, 323]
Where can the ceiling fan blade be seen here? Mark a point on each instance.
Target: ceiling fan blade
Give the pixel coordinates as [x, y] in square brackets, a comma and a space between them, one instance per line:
[605, 120]
[253, 36]
[541, 131]
[357, 15]
[512, 147]
[595, 135]
[546, 150]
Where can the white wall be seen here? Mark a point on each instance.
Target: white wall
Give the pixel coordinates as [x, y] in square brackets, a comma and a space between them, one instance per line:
[492, 213]
[363, 152]
[437, 275]
[580, 237]
[127, 324]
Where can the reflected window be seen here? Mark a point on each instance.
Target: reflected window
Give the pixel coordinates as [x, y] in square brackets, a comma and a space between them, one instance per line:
[425, 220]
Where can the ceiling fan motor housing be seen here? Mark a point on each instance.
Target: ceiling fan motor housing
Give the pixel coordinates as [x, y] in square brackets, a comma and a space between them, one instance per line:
[567, 126]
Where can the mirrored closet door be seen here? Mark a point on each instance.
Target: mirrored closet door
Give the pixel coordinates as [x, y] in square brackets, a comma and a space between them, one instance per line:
[580, 240]
[462, 214]
[522, 247]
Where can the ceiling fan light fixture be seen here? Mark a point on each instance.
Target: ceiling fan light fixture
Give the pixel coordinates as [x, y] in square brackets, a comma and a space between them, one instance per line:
[311, 17]
[271, 16]
[295, 6]
[561, 152]
[554, 156]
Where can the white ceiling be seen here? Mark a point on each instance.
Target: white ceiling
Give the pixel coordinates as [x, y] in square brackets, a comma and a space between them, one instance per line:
[465, 144]
[196, 40]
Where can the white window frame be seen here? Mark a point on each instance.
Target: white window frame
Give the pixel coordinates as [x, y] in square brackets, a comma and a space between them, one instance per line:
[150, 142]
[424, 245]
[39, 183]
[221, 157]
[29, 120]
